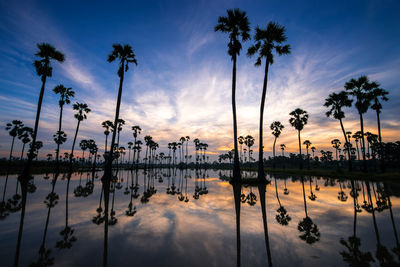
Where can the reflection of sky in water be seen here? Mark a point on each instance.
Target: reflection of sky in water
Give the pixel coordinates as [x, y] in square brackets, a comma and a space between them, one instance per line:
[169, 232]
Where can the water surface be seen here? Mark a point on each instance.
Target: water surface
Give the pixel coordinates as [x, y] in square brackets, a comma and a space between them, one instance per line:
[178, 217]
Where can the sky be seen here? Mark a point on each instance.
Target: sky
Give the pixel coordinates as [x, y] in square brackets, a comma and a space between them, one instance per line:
[182, 84]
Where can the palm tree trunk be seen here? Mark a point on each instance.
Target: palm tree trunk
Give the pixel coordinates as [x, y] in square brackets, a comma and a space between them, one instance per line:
[108, 165]
[363, 143]
[382, 154]
[58, 145]
[347, 142]
[22, 152]
[300, 157]
[236, 167]
[358, 151]
[106, 144]
[71, 155]
[261, 174]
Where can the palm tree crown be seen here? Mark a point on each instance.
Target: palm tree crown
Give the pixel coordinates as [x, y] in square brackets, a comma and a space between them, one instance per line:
[125, 55]
[267, 41]
[82, 109]
[276, 128]
[65, 94]
[237, 25]
[336, 101]
[299, 119]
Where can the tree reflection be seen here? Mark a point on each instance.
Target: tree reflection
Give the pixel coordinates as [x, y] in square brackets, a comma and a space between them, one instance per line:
[261, 190]
[354, 256]
[67, 233]
[309, 230]
[282, 217]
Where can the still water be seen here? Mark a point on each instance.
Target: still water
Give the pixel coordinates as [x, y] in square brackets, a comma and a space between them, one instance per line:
[178, 217]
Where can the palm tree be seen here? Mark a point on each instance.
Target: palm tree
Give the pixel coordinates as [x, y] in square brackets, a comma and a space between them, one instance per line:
[249, 142]
[82, 110]
[187, 151]
[276, 128]
[182, 139]
[360, 89]
[83, 145]
[65, 95]
[136, 130]
[267, 41]
[13, 129]
[241, 141]
[313, 150]
[283, 146]
[307, 143]
[336, 102]
[125, 55]
[107, 125]
[24, 134]
[336, 144]
[236, 24]
[298, 120]
[357, 138]
[379, 94]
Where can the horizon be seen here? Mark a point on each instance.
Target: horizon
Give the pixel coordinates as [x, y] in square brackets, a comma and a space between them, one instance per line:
[182, 84]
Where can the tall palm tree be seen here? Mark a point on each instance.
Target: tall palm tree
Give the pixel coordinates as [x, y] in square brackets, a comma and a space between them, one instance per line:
[283, 146]
[182, 139]
[276, 128]
[241, 141]
[136, 131]
[378, 95]
[336, 144]
[313, 148]
[267, 41]
[357, 138]
[13, 129]
[25, 134]
[249, 142]
[360, 89]
[187, 151]
[107, 125]
[125, 55]
[236, 24]
[65, 95]
[307, 143]
[82, 111]
[336, 102]
[298, 120]
[43, 68]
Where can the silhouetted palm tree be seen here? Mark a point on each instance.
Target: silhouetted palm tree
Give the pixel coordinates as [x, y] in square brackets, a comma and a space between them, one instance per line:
[65, 95]
[361, 89]
[25, 135]
[43, 69]
[298, 120]
[307, 143]
[378, 95]
[82, 110]
[136, 131]
[357, 138]
[125, 56]
[236, 24]
[276, 128]
[336, 102]
[267, 41]
[249, 142]
[107, 125]
[336, 144]
[283, 146]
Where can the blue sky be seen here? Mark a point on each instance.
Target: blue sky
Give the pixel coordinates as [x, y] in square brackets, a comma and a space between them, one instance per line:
[182, 85]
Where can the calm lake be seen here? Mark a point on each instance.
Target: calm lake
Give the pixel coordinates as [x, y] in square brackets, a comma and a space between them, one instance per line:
[178, 217]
